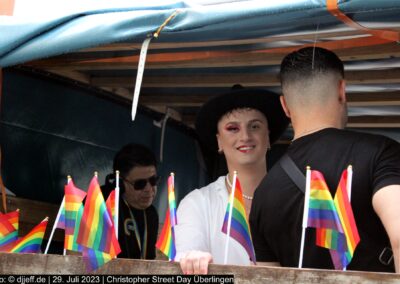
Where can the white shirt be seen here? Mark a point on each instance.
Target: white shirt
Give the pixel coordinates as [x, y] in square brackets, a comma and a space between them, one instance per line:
[200, 217]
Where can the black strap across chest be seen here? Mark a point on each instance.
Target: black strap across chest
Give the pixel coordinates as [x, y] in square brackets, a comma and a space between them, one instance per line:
[293, 172]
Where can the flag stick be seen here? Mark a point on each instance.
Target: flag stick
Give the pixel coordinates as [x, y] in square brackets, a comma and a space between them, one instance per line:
[116, 202]
[69, 178]
[228, 230]
[349, 180]
[56, 221]
[171, 197]
[55, 225]
[305, 214]
[348, 187]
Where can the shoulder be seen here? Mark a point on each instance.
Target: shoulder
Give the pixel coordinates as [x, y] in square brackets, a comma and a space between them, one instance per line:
[204, 195]
[207, 191]
[362, 137]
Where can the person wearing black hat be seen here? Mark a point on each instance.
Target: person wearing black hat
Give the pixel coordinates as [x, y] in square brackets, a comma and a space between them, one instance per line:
[138, 218]
[241, 125]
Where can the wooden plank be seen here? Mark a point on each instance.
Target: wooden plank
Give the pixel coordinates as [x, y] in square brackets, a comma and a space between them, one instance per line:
[232, 59]
[23, 264]
[374, 99]
[322, 35]
[391, 76]
[174, 100]
[32, 213]
[374, 121]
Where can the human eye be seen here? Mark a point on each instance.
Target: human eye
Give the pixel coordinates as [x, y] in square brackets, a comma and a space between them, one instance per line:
[232, 128]
[255, 126]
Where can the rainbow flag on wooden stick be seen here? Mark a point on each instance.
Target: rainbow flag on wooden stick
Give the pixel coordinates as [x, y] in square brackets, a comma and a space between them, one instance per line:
[8, 229]
[166, 241]
[32, 241]
[345, 212]
[235, 223]
[323, 216]
[96, 231]
[332, 218]
[73, 210]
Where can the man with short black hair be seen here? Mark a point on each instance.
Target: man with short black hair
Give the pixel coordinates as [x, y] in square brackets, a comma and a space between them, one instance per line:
[314, 99]
[138, 218]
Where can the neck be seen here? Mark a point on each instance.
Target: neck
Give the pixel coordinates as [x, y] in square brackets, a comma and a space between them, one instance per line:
[250, 177]
[312, 124]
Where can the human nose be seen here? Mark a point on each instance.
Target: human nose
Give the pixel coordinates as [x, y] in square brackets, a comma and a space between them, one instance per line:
[245, 134]
[148, 186]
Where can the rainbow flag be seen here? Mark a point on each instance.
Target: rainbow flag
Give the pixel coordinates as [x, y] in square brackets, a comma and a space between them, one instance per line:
[321, 210]
[61, 221]
[343, 207]
[32, 241]
[94, 259]
[166, 241]
[8, 229]
[240, 230]
[73, 209]
[110, 204]
[96, 230]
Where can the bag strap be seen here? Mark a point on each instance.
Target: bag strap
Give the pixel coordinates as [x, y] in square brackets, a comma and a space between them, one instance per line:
[293, 172]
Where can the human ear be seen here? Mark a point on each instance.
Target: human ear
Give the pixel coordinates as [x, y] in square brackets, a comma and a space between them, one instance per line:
[284, 106]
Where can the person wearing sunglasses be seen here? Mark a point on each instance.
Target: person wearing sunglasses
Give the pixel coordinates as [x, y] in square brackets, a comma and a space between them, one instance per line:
[138, 218]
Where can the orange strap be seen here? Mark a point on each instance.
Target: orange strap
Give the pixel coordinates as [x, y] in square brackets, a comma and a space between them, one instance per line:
[333, 8]
[3, 189]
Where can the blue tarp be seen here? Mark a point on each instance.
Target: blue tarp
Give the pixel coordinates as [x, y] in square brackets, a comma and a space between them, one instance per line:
[67, 27]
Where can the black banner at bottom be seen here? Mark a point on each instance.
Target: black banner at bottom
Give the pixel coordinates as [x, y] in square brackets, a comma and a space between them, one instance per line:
[116, 279]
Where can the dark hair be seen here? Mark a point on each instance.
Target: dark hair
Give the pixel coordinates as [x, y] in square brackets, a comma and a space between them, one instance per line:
[308, 62]
[133, 155]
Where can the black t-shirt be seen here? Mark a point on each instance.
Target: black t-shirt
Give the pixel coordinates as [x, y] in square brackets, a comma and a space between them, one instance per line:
[126, 232]
[277, 209]
[127, 239]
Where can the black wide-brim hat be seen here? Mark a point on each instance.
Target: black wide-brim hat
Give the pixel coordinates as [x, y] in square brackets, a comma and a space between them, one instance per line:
[266, 102]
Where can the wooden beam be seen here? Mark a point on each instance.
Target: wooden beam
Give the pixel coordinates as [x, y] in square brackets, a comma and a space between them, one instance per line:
[391, 76]
[374, 99]
[374, 121]
[226, 59]
[189, 81]
[174, 100]
[32, 213]
[185, 100]
[47, 265]
[382, 76]
[115, 47]
[85, 79]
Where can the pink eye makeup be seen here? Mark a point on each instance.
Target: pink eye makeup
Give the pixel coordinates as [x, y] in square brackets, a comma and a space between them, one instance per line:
[232, 128]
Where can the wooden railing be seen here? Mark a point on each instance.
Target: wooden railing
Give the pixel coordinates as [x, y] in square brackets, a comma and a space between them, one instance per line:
[28, 264]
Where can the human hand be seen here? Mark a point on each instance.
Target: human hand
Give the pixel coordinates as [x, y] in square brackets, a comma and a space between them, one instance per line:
[196, 262]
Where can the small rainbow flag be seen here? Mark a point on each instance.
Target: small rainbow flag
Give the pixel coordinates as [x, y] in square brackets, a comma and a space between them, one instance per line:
[343, 207]
[239, 229]
[323, 216]
[8, 229]
[32, 241]
[73, 209]
[61, 220]
[96, 231]
[166, 241]
[94, 259]
[110, 203]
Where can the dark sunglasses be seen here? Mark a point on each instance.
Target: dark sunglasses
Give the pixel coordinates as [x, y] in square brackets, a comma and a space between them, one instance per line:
[140, 184]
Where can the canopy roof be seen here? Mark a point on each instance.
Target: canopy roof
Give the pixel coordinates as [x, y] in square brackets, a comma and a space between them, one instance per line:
[207, 47]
